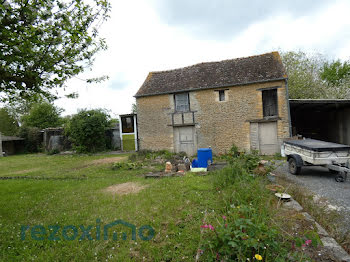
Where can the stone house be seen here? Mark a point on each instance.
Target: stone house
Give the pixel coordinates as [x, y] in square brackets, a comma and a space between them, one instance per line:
[240, 101]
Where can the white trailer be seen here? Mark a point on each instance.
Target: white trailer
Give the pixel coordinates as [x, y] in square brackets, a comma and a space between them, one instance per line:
[311, 152]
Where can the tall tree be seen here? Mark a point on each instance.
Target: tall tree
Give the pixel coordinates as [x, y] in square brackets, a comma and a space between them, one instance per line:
[303, 74]
[8, 124]
[44, 43]
[312, 76]
[42, 116]
[336, 72]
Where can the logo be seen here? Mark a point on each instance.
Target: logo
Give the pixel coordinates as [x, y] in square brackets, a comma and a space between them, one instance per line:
[81, 232]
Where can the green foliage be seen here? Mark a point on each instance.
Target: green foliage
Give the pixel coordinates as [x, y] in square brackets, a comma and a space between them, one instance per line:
[242, 230]
[127, 165]
[42, 115]
[87, 130]
[53, 152]
[229, 175]
[234, 151]
[8, 124]
[244, 226]
[303, 74]
[32, 139]
[44, 43]
[336, 72]
[244, 233]
[310, 238]
[144, 155]
[312, 76]
[239, 158]
[114, 122]
[134, 108]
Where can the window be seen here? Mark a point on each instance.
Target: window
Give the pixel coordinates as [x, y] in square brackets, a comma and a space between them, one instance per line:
[269, 98]
[128, 124]
[221, 95]
[182, 102]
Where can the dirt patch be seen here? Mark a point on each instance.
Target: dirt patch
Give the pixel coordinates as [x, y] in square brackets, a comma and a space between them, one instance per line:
[125, 188]
[107, 160]
[20, 172]
[102, 161]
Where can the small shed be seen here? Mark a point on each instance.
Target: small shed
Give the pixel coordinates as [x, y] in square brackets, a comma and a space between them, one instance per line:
[322, 119]
[10, 145]
[128, 132]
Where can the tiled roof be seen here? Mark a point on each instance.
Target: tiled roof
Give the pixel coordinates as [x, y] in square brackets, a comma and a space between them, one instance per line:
[240, 71]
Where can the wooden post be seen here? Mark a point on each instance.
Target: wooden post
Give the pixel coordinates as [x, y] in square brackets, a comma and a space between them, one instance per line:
[1, 145]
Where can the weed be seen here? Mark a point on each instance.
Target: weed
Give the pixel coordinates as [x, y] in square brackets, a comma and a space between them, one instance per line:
[53, 152]
[330, 221]
[164, 155]
[245, 229]
[127, 165]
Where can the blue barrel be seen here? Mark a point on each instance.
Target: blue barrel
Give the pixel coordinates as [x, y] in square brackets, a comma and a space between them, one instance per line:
[204, 155]
[195, 163]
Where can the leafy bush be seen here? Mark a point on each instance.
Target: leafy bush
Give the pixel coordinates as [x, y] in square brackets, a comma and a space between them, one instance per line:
[32, 139]
[234, 151]
[243, 228]
[229, 175]
[53, 152]
[86, 130]
[243, 233]
[241, 164]
[43, 115]
[127, 165]
[143, 155]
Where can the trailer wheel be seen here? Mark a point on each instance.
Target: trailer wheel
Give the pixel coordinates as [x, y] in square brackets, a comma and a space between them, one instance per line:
[341, 177]
[293, 167]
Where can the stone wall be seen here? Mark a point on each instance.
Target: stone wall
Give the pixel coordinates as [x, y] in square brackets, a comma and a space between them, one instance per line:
[154, 120]
[219, 124]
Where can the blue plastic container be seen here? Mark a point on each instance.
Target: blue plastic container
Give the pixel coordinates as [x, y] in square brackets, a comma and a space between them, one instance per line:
[195, 163]
[204, 156]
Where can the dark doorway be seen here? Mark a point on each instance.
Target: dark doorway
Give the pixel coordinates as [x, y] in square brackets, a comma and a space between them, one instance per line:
[327, 120]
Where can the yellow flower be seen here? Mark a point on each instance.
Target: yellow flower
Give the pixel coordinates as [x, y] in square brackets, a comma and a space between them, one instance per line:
[238, 207]
[258, 257]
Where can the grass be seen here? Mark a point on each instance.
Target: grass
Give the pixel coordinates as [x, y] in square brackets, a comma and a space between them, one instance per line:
[329, 219]
[128, 142]
[173, 207]
[58, 191]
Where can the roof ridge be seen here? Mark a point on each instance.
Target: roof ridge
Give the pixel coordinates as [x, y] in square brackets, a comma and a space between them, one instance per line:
[241, 70]
[213, 62]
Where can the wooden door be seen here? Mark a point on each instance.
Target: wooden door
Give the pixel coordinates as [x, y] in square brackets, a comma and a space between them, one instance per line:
[268, 143]
[185, 140]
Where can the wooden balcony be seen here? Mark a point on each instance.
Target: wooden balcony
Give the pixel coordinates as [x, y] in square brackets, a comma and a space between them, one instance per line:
[183, 118]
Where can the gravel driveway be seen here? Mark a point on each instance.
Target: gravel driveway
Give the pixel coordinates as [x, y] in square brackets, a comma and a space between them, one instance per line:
[321, 182]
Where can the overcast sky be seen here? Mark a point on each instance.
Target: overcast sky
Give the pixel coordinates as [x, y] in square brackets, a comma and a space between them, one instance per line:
[155, 35]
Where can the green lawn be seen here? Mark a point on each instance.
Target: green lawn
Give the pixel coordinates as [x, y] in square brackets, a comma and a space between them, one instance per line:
[69, 190]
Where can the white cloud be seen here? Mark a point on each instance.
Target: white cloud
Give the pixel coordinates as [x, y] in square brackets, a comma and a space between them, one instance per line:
[139, 42]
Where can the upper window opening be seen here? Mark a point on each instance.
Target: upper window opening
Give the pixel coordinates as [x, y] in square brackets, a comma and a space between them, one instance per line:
[182, 102]
[269, 98]
[221, 95]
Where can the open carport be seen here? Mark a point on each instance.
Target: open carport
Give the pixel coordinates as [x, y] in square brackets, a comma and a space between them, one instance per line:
[322, 119]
